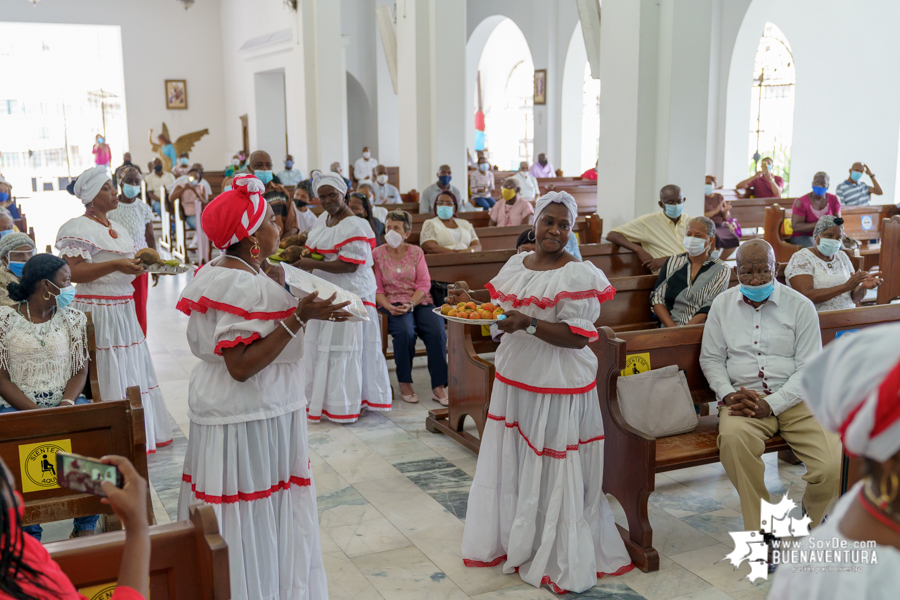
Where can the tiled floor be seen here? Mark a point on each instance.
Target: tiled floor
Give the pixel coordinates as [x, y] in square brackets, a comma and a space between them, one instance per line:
[392, 499]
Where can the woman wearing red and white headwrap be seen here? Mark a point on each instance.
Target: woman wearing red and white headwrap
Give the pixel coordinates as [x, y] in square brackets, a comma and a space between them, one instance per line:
[100, 253]
[853, 388]
[247, 452]
[536, 505]
[345, 369]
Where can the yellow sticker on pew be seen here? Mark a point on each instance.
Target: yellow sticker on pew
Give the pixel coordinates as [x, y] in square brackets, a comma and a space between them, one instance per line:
[98, 592]
[788, 227]
[636, 363]
[38, 464]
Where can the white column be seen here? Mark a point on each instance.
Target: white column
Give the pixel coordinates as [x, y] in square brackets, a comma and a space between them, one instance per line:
[448, 93]
[326, 83]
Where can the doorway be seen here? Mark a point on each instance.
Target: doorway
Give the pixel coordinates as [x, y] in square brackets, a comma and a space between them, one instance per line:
[271, 113]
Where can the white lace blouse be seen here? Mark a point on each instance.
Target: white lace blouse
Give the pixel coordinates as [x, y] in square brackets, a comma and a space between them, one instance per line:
[825, 274]
[40, 359]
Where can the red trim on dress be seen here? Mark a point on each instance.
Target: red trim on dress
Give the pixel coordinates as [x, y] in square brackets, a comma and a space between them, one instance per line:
[372, 304]
[560, 454]
[164, 444]
[339, 418]
[79, 296]
[98, 304]
[540, 390]
[479, 564]
[371, 242]
[545, 303]
[545, 580]
[235, 342]
[376, 406]
[187, 305]
[351, 260]
[590, 335]
[127, 346]
[245, 496]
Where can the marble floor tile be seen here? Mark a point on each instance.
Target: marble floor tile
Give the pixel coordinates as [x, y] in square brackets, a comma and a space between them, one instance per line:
[406, 574]
[366, 537]
[670, 534]
[345, 582]
[705, 563]
[679, 500]
[445, 479]
[710, 593]
[519, 592]
[717, 524]
[159, 510]
[405, 505]
[670, 581]
[467, 464]
[613, 590]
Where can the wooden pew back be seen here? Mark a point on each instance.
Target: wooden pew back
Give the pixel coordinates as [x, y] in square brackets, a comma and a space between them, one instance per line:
[774, 227]
[188, 560]
[751, 212]
[889, 260]
[863, 223]
[835, 323]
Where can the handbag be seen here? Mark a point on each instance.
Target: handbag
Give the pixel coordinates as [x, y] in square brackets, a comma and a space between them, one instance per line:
[657, 402]
[439, 292]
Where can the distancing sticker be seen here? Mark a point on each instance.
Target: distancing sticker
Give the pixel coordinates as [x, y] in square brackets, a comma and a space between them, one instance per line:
[636, 363]
[98, 592]
[38, 464]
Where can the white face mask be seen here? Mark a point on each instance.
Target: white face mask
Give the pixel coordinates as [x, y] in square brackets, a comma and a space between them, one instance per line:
[367, 155]
[382, 179]
[393, 239]
[694, 246]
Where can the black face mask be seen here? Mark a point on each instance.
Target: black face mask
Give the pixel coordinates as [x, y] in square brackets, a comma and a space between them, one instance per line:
[300, 203]
[158, 168]
[543, 162]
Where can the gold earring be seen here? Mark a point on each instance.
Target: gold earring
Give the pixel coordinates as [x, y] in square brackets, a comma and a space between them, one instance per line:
[47, 295]
[885, 499]
[254, 250]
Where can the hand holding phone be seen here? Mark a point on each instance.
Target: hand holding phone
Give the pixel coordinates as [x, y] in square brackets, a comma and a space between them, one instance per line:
[83, 474]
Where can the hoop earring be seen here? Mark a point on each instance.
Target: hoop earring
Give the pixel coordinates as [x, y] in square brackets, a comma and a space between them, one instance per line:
[47, 296]
[885, 499]
[254, 250]
[531, 236]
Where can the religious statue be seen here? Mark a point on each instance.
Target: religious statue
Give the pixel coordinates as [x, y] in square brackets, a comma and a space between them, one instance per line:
[168, 151]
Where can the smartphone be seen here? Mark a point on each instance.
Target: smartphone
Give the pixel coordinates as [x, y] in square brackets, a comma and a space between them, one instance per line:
[83, 474]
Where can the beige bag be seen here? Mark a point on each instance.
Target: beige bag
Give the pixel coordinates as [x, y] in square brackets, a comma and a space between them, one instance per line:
[657, 402]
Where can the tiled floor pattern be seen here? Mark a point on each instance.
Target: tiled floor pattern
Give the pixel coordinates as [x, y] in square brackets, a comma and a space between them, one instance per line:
[392, 501]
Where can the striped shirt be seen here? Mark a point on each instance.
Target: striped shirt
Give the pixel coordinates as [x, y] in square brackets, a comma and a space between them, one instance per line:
[853, 194]
[684, 298]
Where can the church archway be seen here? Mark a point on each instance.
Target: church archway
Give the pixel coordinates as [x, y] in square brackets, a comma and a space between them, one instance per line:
[360, 123]
[580, 110]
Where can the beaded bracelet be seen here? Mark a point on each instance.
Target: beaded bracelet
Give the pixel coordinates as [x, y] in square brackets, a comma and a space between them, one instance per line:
[288, 329]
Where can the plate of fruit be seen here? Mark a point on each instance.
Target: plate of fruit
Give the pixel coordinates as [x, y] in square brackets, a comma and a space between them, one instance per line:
[470, 313]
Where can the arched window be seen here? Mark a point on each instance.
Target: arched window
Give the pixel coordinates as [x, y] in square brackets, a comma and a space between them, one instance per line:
[772, 103]
[590, 120]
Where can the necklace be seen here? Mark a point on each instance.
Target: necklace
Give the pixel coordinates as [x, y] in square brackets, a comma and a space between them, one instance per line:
[243, 262]
[39, 338]
[112, 232]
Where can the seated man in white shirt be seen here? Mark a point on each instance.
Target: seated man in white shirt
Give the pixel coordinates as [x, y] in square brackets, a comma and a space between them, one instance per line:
[758, 338]
[528, 185]
[291, 174]
[385, 193]
[363, 167]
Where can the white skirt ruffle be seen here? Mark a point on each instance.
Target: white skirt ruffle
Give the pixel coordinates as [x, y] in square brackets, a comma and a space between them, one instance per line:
[256, 475]
[537, 503]
[123, 360]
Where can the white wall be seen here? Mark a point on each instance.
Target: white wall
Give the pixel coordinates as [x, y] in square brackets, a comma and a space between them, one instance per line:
[572, 105]
[159, 41]
[359, 28]
[270, 113]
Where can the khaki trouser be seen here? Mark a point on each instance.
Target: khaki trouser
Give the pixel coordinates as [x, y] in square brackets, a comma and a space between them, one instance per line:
[742, 441]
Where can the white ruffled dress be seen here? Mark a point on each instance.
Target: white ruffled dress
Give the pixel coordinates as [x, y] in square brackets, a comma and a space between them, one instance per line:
[345, 368]
[247, 453]
[537, 504]
[123, 359]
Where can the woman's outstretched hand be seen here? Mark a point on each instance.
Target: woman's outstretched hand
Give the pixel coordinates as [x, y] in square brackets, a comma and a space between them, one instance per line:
[311, 307]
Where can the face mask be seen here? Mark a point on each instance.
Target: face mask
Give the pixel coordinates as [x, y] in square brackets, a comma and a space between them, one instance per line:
[673, 211]
[381, 179]
[507, 193]
[158, 168]
[65, 296]
[227, 188]
[523, 171]
[288, 164]
[708, 189]
[855, 175]
[6, 232]
[543, 162]
[829, 247]
[694, 246]
[130, 191]
[819, 190]
[236, 162]
[445, 212]
[100, 140]
[367, 155]
[393, 239]
[300, 203]
[184, 161]
[444, 180]
[757, 293]
[483, 167]
[4, 196]
[16, 268]
[264, 176]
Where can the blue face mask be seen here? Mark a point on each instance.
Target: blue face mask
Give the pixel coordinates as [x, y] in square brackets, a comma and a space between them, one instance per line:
[673, 211]
[65, 296]
[444, 180]
[227, 188]
[100, 141]
[757, 293]
[445, 212]
[708, 189]
[130, 191]
[16, 268]
[829, 247]
[6, 232]
[819, 190]
[264, 176]
[288, 164]
[4, 196]
[855, 175]
[184, 161]
[483, 167]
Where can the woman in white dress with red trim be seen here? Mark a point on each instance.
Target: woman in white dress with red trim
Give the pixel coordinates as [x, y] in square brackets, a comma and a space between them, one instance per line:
[247, 452]
[345, 368]
[100, 254]
[536, 504]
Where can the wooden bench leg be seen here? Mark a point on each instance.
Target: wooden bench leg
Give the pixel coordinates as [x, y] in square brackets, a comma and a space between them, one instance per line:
[789, 457]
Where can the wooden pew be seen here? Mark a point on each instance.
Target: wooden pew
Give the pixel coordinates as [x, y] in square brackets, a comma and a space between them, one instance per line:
[483, 218]
[889, 260]
[96, 429]
[165, 221]
[774, 233]
[179, 248]
[215, 179]
[188, 560]
[21, 223]
[751, 212]
[863, 223]
[588, 229]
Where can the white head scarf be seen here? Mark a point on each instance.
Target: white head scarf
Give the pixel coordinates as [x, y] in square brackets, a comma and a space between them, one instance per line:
[332, 179]
[560, 198]
[853, 388]
[89, 183]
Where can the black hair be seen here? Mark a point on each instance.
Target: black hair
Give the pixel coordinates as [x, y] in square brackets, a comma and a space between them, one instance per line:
[71, 187]
[452, 197]
[38, 268]
[13, 569]
[526, 237]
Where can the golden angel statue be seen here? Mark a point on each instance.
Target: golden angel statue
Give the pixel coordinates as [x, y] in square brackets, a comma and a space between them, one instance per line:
[168, 151]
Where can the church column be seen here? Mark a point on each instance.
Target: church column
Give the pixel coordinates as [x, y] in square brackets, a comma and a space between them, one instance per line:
[325, 73]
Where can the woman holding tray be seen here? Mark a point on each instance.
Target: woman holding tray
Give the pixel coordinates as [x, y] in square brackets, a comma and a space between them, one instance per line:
[100, 253]
[345, 368]
[536, 504]
[247, 451]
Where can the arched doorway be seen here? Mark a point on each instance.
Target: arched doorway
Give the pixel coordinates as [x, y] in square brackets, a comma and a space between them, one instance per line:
[772, 103]
[580, 111]
[361, 129]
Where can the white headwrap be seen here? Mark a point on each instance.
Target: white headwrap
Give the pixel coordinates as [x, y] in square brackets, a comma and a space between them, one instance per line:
[332, 179]
[89, 183]
[853, 388]
[560, 198]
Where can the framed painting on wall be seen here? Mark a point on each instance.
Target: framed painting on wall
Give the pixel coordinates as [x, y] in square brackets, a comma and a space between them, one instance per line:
[540, 86]
[176, 94]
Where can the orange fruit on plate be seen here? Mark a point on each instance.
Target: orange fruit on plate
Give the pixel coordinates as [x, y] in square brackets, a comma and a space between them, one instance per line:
[471, 305]
[488, 307]
[445, 309]
[497, 313]
[451, 313]
[474, 316]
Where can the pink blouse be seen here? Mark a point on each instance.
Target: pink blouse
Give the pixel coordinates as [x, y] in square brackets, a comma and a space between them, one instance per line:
[505, 215]
[803, 207]
[399, 279]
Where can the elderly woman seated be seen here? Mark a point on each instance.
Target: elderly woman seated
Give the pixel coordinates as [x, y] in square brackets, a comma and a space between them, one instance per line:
[689, 282]
[445, 233]
[514, 210]
[15, 250]
[824, 273]
[808, 209]
[404, 296]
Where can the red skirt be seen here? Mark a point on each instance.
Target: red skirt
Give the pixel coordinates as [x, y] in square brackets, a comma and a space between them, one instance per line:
[140, 300]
